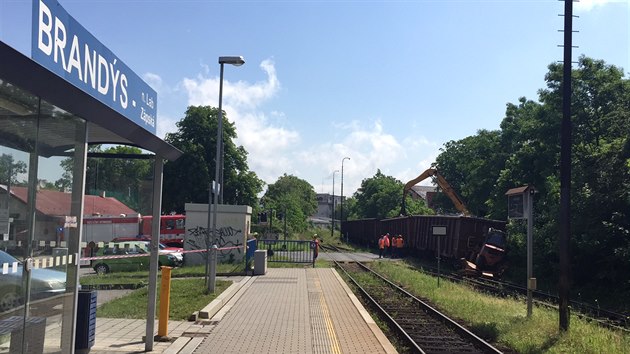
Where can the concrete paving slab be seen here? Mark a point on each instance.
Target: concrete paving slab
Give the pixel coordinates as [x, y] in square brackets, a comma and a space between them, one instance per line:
[295, 310]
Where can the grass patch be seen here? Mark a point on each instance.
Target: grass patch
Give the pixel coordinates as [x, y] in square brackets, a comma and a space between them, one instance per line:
[141, 278]
[505, 321]
[187, 296]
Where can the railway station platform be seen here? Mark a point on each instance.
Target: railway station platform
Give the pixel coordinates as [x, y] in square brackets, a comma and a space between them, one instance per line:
[287, 310]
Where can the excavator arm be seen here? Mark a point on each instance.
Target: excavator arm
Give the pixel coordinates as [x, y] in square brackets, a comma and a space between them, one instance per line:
[446, 188]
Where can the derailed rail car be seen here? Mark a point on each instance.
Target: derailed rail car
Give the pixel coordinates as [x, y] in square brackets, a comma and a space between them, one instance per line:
[464, 235]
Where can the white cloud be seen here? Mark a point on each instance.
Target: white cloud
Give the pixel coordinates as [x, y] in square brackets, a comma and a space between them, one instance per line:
[370, 148]
[424, 154]
[156, 83]
[241, 95]
[165, 124]
[268, 145]
[275, 150]
[587, 5]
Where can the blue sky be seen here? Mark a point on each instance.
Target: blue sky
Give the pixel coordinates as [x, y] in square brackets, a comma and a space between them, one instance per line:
[385, 83]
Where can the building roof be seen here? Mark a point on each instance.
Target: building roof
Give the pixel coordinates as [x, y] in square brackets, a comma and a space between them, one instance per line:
[56, 203]
[423, 190]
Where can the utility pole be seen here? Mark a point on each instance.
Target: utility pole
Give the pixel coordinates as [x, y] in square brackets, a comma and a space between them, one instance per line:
[565, 171]
[341, 215]
[332, 229]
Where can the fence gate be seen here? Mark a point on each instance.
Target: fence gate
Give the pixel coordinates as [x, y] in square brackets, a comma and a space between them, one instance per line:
[288, 251]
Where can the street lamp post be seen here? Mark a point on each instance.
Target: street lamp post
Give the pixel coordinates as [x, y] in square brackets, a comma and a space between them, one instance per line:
[341, 216]
[332, 229]
[218, 162]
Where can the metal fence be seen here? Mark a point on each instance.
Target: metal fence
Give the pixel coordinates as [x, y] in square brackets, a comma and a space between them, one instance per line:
[288, 251]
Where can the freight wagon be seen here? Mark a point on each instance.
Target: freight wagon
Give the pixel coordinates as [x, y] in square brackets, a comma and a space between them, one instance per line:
[464, 235]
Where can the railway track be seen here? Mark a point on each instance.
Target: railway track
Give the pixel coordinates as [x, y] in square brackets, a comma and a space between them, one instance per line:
[603, 317]
[423, 328]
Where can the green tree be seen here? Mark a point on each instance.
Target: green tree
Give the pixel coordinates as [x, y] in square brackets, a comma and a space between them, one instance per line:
[187, 179]
[471, 166]
[526, 151]
[127, 179]
[293, 197]
[601, 177]
[380, 197]
[10, 169]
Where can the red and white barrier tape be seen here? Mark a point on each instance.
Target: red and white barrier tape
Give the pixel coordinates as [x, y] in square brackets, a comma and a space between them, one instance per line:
[146, 254]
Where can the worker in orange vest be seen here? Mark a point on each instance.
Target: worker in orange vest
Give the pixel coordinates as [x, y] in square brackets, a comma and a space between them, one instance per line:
[315, 245]
[399, 245]
[383, 244]
[393, 247]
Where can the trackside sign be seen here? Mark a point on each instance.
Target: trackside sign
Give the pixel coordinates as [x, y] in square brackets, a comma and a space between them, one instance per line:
[66, 48]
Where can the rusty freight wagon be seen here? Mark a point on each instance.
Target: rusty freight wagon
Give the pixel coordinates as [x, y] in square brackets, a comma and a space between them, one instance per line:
[464, 235]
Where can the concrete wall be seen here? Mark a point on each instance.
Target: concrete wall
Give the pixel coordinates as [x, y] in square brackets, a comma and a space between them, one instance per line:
[233, 228]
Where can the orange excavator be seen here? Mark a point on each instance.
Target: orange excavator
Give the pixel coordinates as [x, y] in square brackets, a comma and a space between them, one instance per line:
[446, 188]
[486, 260]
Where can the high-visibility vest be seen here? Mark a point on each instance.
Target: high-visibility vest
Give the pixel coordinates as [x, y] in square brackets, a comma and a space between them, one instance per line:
[381, 242]
[386, 241]
[400, 242]
[394, 239]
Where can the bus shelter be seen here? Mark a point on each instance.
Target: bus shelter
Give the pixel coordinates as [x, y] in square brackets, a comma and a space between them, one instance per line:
[47, 125]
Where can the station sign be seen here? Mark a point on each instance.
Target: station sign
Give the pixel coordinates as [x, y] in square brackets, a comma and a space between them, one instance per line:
[65, 47]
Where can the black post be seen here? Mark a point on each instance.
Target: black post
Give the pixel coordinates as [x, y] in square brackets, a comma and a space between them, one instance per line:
[285, 223]
[332, 228]
[270, 221]
[565, 171]
[341, 206]
[341, 215]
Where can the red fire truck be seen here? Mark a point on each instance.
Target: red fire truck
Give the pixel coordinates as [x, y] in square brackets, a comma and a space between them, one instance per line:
[104, 228]
[172, 227]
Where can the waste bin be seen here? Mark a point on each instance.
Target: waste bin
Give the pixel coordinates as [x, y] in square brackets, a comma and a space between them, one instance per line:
[86, 320]
[260, 262]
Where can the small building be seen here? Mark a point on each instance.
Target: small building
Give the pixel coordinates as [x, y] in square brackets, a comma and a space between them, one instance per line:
[325, 206]
[51, 210]
[426, 193]
[232, 230]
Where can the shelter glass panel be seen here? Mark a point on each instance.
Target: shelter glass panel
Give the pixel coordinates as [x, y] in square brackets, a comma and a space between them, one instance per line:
[41, 149]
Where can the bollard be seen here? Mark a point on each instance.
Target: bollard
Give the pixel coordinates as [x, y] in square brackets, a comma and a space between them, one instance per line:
[213, 269]
[165, 302]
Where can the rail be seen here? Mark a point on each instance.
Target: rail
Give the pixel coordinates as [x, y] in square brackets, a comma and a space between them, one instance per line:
[423, 328]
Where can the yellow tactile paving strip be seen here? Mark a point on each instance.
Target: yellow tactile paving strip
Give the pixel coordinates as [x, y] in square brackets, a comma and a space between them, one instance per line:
[353, 333]
[324, 335]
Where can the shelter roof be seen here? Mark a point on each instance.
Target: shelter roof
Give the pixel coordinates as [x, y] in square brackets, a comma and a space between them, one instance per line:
[55, 203]
[105, 125]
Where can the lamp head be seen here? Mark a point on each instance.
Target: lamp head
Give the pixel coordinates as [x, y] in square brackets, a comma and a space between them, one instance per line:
[232, 60]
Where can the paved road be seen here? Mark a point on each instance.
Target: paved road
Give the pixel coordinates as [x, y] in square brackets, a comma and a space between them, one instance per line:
[350, 257]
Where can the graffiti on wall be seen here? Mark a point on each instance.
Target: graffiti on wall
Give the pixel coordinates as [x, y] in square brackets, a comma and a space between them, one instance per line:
[228, 236]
